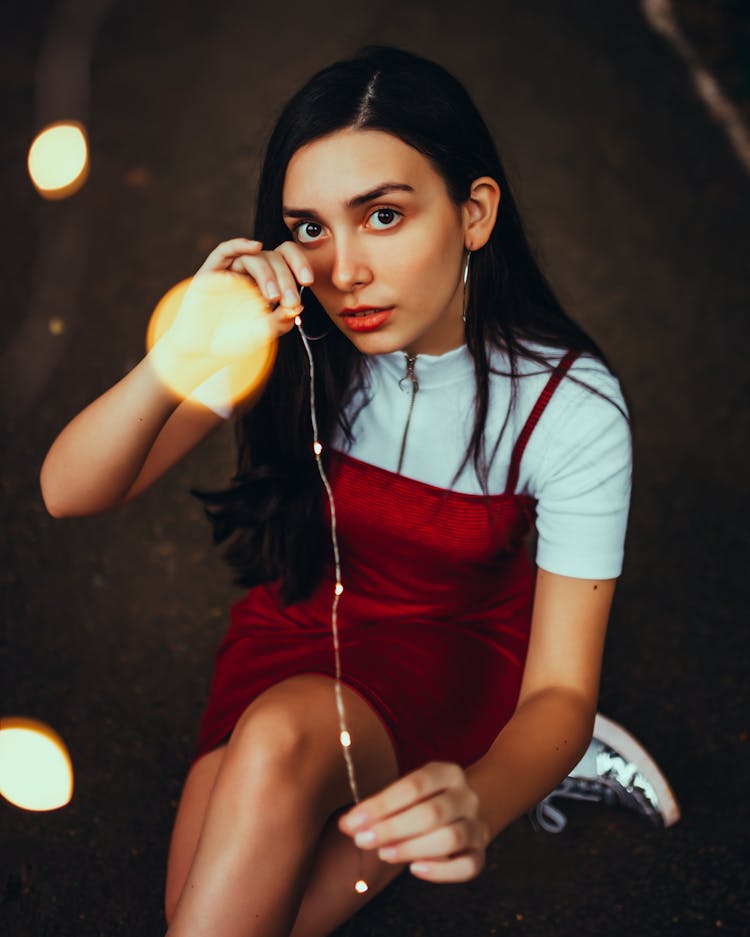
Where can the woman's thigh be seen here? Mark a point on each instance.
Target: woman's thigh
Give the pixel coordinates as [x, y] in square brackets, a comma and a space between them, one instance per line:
[330, 897]
[189, 822]
[306, 703]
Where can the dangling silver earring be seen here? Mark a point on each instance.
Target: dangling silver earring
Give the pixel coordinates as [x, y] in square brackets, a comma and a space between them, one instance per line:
[466, 285]
[311, 338]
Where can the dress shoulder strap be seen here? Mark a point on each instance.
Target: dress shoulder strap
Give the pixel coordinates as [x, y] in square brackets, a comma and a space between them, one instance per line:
[544, 398]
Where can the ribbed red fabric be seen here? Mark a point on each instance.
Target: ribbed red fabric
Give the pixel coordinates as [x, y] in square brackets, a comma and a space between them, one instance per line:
[433, 622]
[544, 398]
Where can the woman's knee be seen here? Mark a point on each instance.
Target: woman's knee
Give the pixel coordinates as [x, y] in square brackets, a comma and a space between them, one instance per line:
[288, 747]
[288, 740]
[267, 738]
[284, 753]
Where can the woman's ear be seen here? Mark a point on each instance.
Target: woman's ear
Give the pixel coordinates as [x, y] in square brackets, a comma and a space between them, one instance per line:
[480, 212]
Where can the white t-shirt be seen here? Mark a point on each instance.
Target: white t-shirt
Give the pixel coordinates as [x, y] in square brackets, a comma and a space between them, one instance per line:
[577, 463]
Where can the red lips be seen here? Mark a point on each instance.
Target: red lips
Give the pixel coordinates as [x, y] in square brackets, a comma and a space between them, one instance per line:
[365, 318]
[351, 310]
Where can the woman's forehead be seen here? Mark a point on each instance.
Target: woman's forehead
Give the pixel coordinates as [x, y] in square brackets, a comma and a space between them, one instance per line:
[337, 168]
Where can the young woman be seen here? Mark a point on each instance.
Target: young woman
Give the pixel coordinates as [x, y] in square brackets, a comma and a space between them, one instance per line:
[457, 405]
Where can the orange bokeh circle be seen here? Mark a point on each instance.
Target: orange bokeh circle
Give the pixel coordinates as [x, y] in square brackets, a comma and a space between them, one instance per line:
[211, 338]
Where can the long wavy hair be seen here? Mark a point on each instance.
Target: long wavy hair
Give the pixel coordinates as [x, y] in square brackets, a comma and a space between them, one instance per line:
[273, 510]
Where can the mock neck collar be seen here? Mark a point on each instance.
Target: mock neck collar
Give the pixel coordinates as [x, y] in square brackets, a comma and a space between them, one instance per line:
[430, 370]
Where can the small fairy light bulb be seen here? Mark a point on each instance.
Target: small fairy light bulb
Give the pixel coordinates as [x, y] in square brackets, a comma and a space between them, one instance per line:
[346, 739]
[317, 448]
[361, 886]
[297, 321]
[339, 588]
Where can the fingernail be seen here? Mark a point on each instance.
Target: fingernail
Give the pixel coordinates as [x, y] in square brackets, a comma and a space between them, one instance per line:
[387, 852]
[354, 819]
[291, 298]
[272, 291]
[365, 838]
[305, 274]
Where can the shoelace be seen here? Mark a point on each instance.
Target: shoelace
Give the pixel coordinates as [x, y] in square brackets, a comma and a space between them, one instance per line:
[619, 783]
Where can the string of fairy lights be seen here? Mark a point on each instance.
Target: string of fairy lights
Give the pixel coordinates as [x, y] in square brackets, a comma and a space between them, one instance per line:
[338, 589]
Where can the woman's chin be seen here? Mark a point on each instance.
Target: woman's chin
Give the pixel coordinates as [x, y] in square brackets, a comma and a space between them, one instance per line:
[381, 342]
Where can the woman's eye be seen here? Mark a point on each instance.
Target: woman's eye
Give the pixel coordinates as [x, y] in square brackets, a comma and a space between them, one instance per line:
[384, 218]
[308, 231]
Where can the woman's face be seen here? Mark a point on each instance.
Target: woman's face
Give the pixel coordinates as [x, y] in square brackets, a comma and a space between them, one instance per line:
[381, 233]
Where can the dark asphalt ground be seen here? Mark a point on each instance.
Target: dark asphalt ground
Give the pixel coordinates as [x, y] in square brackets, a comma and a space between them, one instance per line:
[639, 210]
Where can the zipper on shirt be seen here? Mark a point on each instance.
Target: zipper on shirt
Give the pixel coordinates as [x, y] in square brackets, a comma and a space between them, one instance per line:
[411, 377]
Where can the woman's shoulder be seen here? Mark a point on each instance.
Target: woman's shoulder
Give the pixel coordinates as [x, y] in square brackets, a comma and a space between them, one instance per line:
[587, 380]
[584, 433]
[578, 465]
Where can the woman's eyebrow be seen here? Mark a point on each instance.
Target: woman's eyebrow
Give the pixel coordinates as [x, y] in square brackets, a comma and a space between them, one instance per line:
[378, 192]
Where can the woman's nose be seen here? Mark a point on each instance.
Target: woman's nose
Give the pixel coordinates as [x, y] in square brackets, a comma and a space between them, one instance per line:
[350, 268]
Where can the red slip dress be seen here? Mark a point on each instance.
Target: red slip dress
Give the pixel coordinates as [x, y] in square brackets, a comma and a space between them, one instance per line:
[433, 622]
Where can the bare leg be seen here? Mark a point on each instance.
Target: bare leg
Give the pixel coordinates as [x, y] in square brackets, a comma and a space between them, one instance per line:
[330, 898]
[258, 809]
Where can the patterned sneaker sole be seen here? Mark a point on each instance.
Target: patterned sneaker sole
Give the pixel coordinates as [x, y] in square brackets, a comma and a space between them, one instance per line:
[619, 739]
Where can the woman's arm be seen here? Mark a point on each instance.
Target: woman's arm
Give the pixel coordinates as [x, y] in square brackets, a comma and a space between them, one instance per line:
[444, 816]
[119, 444]
[554, 718]
[127, 438]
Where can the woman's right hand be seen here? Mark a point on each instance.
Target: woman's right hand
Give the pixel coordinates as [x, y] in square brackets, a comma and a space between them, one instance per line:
[276, 273]
[217, 324]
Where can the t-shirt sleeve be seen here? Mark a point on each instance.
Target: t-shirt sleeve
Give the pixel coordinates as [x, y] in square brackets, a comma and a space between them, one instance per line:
[583, 499]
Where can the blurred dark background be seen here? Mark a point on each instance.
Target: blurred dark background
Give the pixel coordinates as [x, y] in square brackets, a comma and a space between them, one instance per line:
[638, 207]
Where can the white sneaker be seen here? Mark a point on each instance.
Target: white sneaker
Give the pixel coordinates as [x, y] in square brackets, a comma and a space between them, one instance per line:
[616, 770]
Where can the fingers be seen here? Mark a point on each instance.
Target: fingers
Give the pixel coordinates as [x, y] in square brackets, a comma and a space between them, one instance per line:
[431, 814]
[404, 793]
[277, 273]
[298, 263]
[282, 281]
[453, 853]
[446, 811]
[276, 280]
[285, 319]
[290, 267]
[461, 868]
[222, 257]
[446, 841]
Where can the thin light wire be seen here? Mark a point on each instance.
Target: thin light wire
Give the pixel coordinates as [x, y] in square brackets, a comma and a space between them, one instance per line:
[344, 735]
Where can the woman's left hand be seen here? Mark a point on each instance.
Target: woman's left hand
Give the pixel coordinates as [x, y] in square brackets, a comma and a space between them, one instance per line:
[431, 815]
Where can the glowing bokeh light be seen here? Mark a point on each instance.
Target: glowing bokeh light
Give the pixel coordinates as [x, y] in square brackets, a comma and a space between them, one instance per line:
[59, 159]
[361, 886]
[214, 330]
[35, 768]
